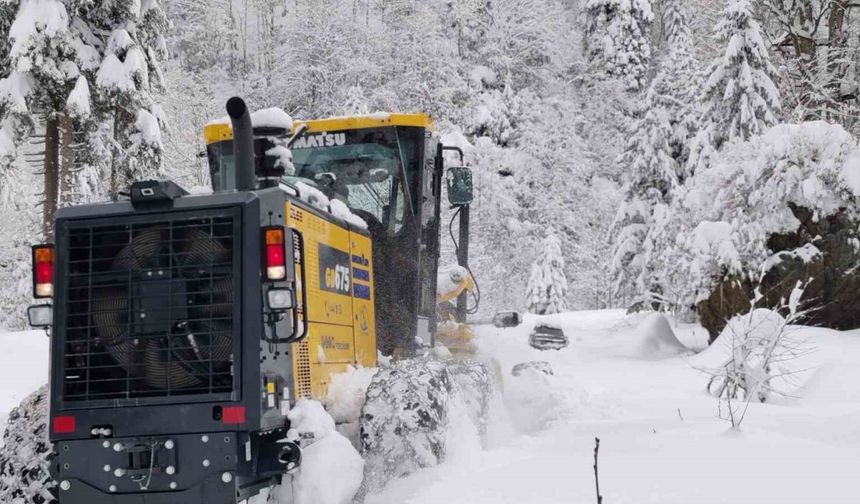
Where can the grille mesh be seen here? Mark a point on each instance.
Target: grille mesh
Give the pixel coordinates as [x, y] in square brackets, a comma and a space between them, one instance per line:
[149, 307]
[302, 372]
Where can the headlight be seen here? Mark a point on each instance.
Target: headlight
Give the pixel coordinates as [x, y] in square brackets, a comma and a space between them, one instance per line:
[280, 299]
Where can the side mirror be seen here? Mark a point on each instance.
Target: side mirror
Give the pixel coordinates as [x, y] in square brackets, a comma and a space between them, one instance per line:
[507, 319]
[40, 316]
[459, 181]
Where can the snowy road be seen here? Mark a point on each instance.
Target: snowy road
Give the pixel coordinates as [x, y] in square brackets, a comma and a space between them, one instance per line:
[660, 439]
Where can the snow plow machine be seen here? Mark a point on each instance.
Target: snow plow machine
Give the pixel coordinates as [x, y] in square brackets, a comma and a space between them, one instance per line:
[184, 327]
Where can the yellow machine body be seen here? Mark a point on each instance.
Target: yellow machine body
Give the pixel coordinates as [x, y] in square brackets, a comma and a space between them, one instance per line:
[341, 310]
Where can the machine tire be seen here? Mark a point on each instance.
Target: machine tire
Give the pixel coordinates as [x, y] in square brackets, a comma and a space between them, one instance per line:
[404, 421]
[26, 453]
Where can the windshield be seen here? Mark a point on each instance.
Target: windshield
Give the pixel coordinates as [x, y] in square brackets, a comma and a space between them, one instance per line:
[365, 169]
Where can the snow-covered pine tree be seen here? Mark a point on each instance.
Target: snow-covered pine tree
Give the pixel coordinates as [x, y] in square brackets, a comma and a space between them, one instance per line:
[42, 72]
[124, 43]
[617, 38]
[740, 98]
[652, 178]
[76, 66]
[547, 287]
[678, 81]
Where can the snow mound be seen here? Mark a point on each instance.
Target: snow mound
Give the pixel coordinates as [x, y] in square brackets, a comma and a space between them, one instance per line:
[346, 395]
[310, 420]
[347, 392]
[331, 472]
[325, 453]
[759, 322]
[531, 400]
[656, 339]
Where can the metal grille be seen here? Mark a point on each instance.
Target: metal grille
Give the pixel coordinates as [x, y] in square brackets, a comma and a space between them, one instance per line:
[302, 373]
[149, 306]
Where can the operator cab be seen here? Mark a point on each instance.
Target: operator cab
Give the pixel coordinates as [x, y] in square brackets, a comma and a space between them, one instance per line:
[386, 168]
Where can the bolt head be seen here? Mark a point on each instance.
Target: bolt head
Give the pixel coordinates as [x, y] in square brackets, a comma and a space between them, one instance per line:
[170, 470]
[226, 477]
[117, 447]
[65, 485]
[169, 444]
[205, 462]
[107, 467]
[118, 472]
[106, 444]
[173, 485]
[205, 438]
[112, 488]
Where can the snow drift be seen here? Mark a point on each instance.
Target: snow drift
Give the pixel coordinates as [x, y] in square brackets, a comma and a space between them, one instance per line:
[655, 339]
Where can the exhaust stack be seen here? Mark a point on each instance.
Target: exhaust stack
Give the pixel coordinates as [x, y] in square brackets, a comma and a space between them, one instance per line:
[243, 144]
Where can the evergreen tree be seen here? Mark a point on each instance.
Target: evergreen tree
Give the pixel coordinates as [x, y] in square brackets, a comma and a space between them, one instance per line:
[678, 82]
[740, 98]
[547, 287]
[76, 66]
[617, 38]
[652, 179]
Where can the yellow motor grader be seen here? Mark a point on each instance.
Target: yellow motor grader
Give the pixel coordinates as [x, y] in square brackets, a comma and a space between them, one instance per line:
[185, 327]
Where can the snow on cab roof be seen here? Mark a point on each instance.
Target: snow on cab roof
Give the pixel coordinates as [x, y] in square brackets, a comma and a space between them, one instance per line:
[272, 117]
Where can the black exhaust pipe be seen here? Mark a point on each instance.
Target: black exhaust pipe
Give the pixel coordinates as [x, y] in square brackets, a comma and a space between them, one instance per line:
[243, 144]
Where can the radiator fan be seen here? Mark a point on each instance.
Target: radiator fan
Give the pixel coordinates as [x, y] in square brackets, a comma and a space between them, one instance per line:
[169, 324]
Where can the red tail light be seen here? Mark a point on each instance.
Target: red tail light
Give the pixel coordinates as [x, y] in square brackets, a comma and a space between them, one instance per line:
[276, 260]
[43, 271]
[64, 424]
[233, 415]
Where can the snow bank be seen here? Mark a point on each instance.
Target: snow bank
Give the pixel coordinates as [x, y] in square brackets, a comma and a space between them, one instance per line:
[345, 398]
[331, 470]
[23, 367]
[656, 340]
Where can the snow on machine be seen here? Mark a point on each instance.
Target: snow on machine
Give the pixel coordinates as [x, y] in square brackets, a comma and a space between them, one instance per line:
[186, 327]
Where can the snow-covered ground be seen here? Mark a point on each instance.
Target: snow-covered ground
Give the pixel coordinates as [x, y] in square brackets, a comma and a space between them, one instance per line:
[23, 367]
[661, 440]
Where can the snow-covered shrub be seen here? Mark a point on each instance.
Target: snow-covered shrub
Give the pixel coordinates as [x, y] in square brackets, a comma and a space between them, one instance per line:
[547, 287]
[786, 199]
[753, 357]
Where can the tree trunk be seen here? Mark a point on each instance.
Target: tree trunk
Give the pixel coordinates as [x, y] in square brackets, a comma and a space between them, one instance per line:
[67, 160]
[52, 161]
